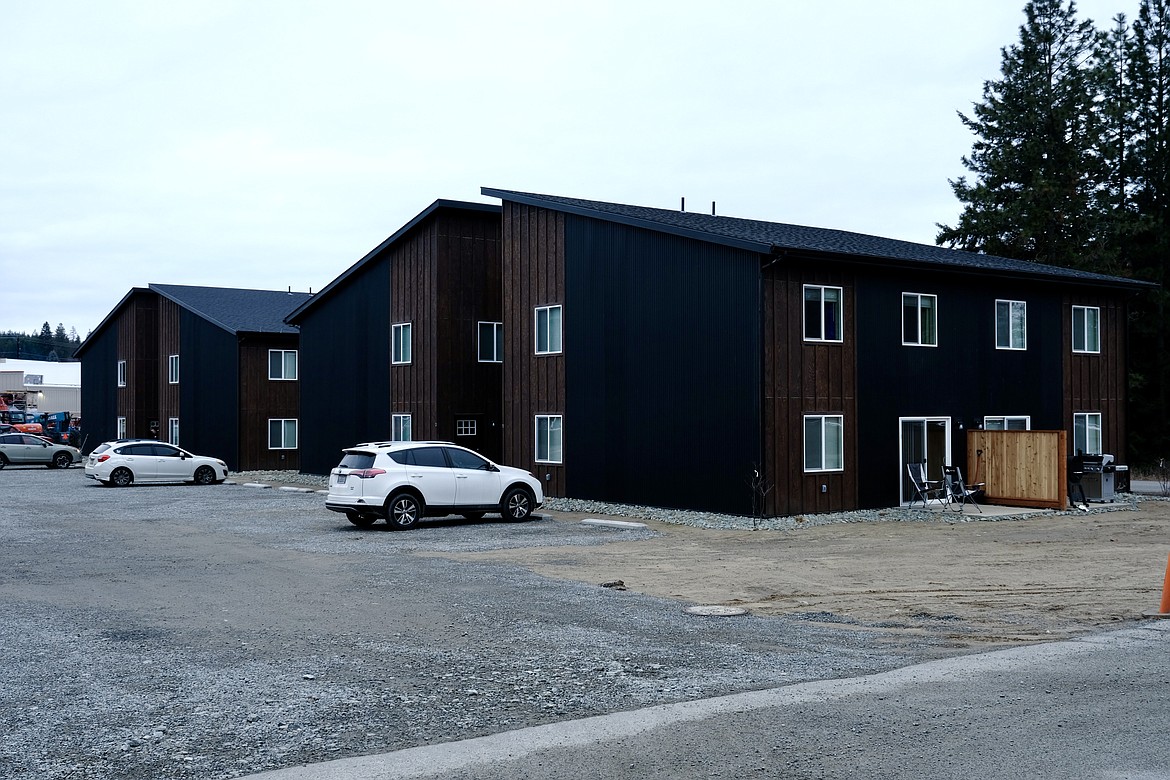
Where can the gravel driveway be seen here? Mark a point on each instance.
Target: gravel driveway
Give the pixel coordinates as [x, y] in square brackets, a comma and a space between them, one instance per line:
[212, 632]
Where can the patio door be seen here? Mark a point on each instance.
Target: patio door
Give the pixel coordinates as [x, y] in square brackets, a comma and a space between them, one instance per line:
[923, 440]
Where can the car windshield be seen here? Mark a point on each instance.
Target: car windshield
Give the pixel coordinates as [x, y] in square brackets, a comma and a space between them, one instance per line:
[357, 460]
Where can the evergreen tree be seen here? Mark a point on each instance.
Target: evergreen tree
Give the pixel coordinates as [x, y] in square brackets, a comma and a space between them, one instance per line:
[1036, 159]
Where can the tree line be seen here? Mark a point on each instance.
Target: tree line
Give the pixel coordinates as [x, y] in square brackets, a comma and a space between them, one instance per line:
[1071, 167]
[47, 344]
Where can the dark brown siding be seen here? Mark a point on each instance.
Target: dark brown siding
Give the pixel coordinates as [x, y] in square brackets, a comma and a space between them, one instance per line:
[468, 259]
[168, 344]
[138, 346]
[802, 378]
[262, 399]
[412, 295]
[533, 257]
[1097, 382]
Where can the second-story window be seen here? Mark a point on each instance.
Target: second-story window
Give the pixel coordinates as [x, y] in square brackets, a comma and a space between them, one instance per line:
[173, 369]
[400, 349]
[1086, 329]
[282, 364]
[1011, 325]
[491, 342]
[548, 330]
[822, 313]
[121, 375]
[919, 320]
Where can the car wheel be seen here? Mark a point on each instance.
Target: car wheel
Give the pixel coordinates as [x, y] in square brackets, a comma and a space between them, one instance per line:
[3, 461]
[403, 511]
[204, 475]
[472, 515]
[62, 460]
[121, 477]
[360, 520]
[517, 504]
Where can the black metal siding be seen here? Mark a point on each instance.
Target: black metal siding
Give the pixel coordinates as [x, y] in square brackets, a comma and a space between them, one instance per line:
[209, 386]
[965, 377]
[99, 389]
[345, 370]
[662, 351]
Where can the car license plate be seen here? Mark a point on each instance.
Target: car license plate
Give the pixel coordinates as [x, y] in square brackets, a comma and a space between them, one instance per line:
[341, 478]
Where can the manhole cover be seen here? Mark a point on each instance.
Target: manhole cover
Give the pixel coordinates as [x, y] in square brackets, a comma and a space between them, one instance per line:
[716, 610]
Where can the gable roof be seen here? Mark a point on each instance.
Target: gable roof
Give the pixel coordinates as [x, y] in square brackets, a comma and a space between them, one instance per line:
[236, 311]
[779, 239]
[370, 257]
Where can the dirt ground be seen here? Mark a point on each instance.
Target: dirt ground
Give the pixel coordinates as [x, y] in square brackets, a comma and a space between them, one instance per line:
[971, 584]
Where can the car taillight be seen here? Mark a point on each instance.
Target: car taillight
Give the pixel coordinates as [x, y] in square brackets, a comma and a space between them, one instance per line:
[366, 473]
[103, 458]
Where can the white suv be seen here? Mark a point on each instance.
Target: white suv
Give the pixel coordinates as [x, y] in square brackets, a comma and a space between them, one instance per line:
[404, 481]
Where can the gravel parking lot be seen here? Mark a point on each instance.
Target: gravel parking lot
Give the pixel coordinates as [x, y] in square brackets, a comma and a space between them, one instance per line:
[212, 632]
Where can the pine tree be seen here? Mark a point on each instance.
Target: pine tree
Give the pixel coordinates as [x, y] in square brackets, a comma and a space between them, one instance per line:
[1036, 158]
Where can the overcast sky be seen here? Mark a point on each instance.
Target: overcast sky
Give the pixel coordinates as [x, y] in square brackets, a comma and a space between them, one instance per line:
[270, 145]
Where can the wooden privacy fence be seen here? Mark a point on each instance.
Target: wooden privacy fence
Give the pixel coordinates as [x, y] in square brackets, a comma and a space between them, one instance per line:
[1021, 468]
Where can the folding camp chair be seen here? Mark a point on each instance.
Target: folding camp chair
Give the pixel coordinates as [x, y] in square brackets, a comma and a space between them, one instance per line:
[957, 491]
[924, 489]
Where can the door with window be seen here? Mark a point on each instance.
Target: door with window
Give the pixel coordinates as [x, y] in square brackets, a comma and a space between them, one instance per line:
[923, 440]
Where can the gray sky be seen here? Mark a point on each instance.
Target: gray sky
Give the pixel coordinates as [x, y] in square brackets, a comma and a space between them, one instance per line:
[268, 144]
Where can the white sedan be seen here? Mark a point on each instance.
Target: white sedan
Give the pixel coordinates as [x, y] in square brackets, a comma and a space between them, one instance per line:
[124, 462]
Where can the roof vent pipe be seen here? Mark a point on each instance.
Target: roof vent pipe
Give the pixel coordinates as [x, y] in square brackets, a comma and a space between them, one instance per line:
[712, 208]
[683, 204]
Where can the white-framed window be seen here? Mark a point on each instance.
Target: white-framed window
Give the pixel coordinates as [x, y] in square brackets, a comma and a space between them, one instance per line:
[1011, 325]
[173, 430]
[400, 349]
[121, 428]
[549, 438]
[401, 430]
[824, 442]
[1087, 433]
[282, 364]
[822, 313]
[465, 427]
[491, 342]
[1021, 422]
[1086, 329]
[173, 369]
[282, 434]
[121, 378]
[548, 330]
[919, 320]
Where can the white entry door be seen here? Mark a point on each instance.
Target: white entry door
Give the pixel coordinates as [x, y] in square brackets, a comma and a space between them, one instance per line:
[923, 440]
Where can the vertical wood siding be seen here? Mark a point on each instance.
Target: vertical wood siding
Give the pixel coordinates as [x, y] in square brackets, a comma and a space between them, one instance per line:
[262, 399]
[137, 328]
[1097, 382]
[533, 274]
[168, 344]
[807, 378]
[468, 271]
[413, 298]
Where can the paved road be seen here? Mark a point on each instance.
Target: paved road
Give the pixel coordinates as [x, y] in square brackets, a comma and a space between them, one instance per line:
[1091, 708]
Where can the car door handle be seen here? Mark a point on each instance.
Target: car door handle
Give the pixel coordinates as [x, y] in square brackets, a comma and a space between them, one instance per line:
[460, 476]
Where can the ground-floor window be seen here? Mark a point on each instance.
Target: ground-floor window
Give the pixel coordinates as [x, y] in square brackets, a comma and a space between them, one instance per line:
[1087, 433]
[173, 430]
[549, 438]
[401, 427]
[282, 434]
[121, 428]
[824, 442]
[465, 427]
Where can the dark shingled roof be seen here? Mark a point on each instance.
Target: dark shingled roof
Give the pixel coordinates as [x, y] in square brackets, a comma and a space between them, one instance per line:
[236, 311]
[779, 238]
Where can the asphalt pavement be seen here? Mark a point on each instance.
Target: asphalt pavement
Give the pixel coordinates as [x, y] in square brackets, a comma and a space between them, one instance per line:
[1094, 707]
